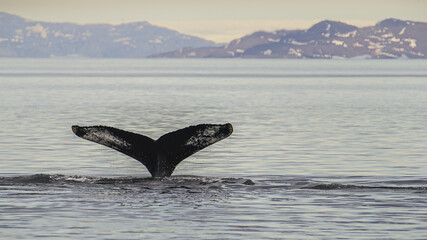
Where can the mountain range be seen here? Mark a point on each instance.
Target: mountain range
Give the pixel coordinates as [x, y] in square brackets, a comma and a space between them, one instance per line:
[390, 38]
[20, 37]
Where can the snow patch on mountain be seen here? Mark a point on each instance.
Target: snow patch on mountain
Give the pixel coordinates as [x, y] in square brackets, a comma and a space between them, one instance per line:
[38, 28]
[412, 42]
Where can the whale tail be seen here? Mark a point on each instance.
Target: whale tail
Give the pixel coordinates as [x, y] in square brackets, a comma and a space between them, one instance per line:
[160, 157]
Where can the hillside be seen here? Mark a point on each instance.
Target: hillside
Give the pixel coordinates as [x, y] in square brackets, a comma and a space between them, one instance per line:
[20, 37]
[391, 38]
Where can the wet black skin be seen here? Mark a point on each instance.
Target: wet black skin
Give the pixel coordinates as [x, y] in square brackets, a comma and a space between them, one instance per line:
[160, 157]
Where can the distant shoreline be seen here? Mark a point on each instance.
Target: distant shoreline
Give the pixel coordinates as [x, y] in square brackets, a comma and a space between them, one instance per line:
[388, 39]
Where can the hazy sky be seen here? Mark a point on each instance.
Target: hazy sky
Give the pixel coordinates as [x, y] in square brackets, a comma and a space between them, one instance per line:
[218, 20]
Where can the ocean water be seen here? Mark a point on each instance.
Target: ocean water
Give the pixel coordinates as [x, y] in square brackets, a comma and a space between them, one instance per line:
[321, 149]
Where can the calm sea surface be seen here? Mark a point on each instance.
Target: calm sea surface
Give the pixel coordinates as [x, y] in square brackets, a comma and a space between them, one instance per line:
[320, 150]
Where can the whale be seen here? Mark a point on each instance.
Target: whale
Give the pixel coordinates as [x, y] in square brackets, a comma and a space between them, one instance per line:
[160, 156]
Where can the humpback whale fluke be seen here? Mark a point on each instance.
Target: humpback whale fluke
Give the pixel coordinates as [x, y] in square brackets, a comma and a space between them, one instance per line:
[160, 157]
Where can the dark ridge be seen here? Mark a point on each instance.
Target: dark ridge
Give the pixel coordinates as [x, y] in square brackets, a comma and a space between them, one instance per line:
[331, 27]
[335, 186]
[393, 22]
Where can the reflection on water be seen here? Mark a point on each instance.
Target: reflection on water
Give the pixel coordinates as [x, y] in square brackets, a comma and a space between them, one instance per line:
[320, 149]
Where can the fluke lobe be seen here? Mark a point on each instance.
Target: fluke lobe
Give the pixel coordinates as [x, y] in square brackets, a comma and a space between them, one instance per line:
[160, 157]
